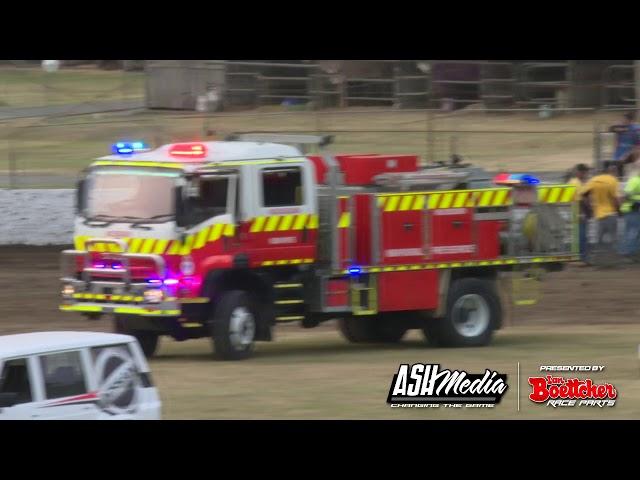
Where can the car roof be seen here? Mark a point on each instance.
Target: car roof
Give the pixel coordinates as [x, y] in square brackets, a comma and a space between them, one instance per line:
[217, 151]
[41, 342]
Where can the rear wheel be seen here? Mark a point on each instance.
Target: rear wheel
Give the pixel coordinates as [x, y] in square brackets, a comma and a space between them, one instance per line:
[148, 340]
[473, 313]
[233, 326]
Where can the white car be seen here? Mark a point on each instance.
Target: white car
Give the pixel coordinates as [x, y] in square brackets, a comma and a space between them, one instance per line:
[75, 375]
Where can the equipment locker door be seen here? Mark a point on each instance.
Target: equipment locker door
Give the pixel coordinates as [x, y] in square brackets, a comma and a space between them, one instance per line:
[401, 228]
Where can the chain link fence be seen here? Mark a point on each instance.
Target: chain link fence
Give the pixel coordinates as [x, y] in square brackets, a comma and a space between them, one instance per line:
[49, 152]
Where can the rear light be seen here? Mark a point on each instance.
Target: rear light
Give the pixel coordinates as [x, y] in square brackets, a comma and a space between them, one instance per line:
[188, 150]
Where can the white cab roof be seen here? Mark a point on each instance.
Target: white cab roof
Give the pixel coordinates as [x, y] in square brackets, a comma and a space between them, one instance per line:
[41, 342]
[217, 152]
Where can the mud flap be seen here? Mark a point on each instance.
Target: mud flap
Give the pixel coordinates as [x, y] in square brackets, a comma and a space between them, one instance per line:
[526, 285]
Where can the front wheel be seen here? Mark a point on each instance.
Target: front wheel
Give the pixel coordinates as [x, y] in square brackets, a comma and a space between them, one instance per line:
[473, 313]
[233, 326]
[147, 340]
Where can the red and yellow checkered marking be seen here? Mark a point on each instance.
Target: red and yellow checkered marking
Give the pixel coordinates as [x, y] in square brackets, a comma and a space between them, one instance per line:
[557, 194]
[282, 223]
[492, 197]
[160, 246]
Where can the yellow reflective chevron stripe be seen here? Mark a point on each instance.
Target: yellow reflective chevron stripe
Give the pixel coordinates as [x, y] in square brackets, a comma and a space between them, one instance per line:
[461, 264]
[147, 246]
[134, 246]
[313, 222]
[392, 203]
[174, 249]
[272, 223]
[216, 232]
[345, 220]
[447, 198]
[257, 224]
[557, 194]
[285, 223]
[201, 238]
[300, 221]
[418, 204]
[406, 202]
[160, 246]
[292, 261]
[434, 200]
[229, 230]
[186, 248]
[499, 198]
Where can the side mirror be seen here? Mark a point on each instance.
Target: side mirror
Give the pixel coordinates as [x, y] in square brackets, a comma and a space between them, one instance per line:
[181, 215]
[8, 399]
[80, 195]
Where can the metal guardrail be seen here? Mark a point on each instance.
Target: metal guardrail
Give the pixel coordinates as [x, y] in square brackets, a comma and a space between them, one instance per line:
[623, 90]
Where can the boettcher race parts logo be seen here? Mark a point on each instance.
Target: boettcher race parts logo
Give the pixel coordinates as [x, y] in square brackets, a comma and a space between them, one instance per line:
[118, 382]
[556, 391]
[428, 386]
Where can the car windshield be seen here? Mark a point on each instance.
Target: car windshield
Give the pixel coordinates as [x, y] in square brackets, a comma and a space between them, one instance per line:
[130, 195]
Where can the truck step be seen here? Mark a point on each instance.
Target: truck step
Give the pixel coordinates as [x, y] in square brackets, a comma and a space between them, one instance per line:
[289, 302]
[288, 285]
[289, 318]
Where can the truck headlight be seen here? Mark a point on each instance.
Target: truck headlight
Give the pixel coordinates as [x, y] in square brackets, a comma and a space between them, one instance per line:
[68, 290]
[153, 295]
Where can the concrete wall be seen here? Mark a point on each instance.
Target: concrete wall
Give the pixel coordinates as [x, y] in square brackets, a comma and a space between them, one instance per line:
[36, 217]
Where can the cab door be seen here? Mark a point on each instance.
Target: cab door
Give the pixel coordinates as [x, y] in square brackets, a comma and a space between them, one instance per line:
[283, 218]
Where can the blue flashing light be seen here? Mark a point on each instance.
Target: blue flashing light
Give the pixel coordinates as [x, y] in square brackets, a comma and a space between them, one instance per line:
[355, 270]
[128, 148]
[530, 179]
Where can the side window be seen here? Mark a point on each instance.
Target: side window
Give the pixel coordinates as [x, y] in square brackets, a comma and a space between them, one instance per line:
[212, 198]
[62, 374]
[14, 379]
[282, 187]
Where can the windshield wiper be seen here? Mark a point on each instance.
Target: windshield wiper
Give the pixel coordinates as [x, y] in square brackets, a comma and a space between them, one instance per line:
[155, 217]
[107, 219]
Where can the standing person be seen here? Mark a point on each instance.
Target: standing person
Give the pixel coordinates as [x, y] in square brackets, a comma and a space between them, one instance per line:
[579, 179]
[631, 211]
[601, 193]
[627, 140]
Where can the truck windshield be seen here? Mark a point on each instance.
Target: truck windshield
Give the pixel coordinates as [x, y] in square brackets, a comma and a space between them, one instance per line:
[130, 195]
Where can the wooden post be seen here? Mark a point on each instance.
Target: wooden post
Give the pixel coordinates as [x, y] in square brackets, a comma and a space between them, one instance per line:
[637, 82]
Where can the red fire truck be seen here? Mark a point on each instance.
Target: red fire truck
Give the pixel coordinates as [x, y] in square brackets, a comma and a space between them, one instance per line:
[226, 239]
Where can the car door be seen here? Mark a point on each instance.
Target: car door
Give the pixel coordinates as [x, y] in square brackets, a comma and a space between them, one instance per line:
[65, 391]
[17, 389]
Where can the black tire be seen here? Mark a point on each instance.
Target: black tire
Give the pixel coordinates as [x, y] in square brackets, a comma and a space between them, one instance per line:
[232, 331]
[485, 307]
[380, 329]
[148, 340]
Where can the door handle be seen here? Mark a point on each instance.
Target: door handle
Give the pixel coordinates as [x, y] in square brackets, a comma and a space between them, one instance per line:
[457, 223]
[407, 226]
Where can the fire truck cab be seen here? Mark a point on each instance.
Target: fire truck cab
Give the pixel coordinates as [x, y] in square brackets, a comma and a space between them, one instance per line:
[226, 239]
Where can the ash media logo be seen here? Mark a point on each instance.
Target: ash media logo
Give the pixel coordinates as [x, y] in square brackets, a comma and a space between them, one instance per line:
[428, 386]
[556, 391]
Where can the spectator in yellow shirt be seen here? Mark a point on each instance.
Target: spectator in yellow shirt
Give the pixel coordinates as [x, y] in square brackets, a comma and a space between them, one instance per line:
[579, 179]
[601, 193]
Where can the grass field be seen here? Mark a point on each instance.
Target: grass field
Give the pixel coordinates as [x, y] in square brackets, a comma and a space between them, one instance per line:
[584, 316]
[514, 141]
[27, 87]
[318, 375]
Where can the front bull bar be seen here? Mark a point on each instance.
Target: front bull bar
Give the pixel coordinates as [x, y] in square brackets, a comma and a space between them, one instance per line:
[88, 270]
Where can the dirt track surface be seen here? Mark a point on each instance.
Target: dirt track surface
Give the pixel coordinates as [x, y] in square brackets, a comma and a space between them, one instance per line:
[29, 295]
